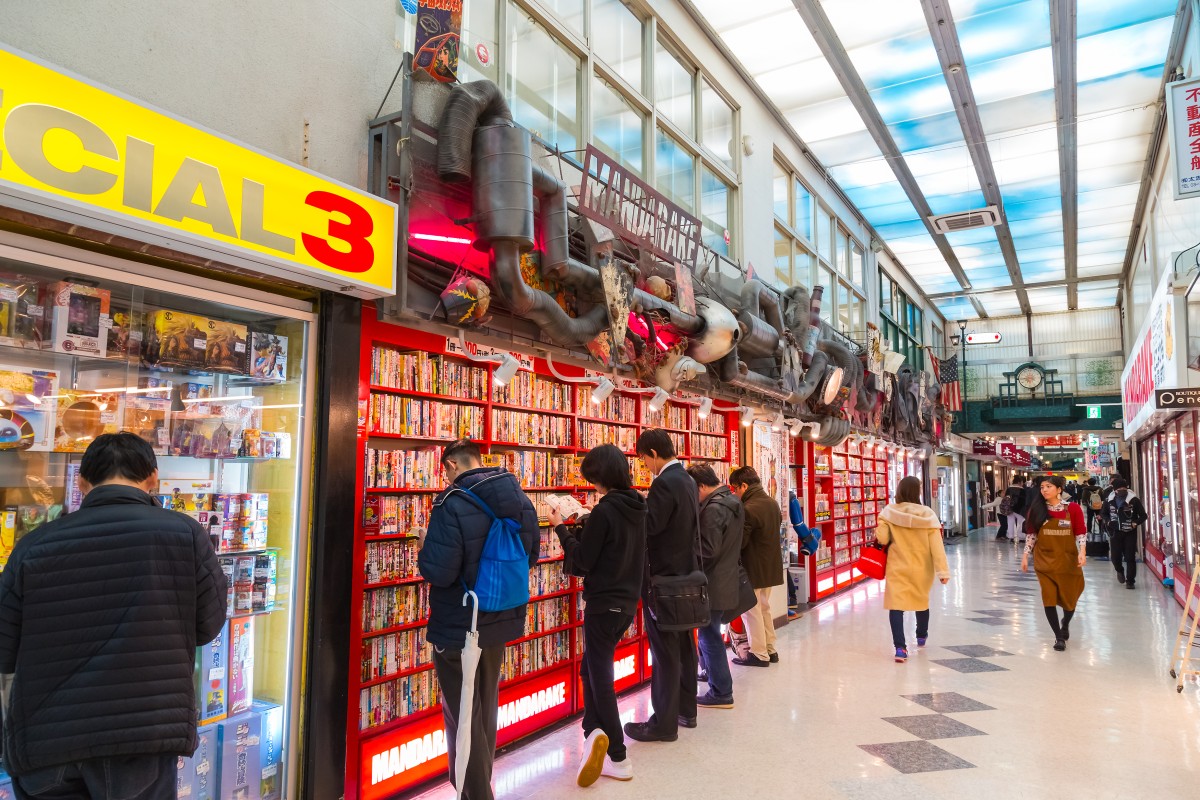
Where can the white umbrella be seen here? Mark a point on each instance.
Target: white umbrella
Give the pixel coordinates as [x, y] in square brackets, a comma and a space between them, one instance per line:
[470, 663]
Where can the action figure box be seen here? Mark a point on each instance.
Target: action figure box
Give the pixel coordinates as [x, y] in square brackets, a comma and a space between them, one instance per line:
[79, 318]
[267, 359]
[239, 742]
[270, 749]
[266, 581]
[22, 314]
[243, 585]
[196, 779]
[228, 568]
[125, 333]
[206, 486]
[83, 415]
[226, 351]
[241, 661]
[27, 408]
[149, 418]
[176, 339]
[212, 677]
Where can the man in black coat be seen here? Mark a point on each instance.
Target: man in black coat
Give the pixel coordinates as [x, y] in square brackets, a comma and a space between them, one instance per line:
[101, 612]
[722, 519]
[449, 559]
[672, 521]
[1123, 513]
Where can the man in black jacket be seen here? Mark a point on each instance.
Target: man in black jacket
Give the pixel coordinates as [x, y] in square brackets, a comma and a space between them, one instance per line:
[673, 515]
[101, 612]
[1123, 513]
[449, 559]
[722, 519]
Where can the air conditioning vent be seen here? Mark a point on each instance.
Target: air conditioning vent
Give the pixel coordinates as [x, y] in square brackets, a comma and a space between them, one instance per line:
[965, 220]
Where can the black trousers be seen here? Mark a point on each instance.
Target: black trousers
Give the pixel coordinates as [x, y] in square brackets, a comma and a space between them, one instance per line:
[1122, 547]
[484, 711]
[601, 632]
[133, 778]
[673, 682]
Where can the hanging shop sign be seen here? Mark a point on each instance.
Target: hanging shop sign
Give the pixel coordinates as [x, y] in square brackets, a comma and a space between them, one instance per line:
[983, 338]
[1183, 122]
[1013, 455]
[1177, 398]
[82, 154]
[982, 447]
[1157, 361]
[618, 199]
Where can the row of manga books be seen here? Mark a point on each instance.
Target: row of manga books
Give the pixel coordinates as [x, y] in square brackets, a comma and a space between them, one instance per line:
[521, 427]
[594, 434]
[533, 391]
[547, 579]
[410, 416]
[539, 468]
[391, 561]
[616, 407]
[393, 606]
[551, 547]
[428, 373]
[379, 705]
[536, 654]
[679, 440]
[709, 446]
[403, 469]
[386, 515]
[713, 423]
[547, 615]
[395, 652]
[671, 416]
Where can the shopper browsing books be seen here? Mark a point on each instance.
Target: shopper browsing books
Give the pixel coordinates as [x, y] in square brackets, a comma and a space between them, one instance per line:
[608, 552]
[763, 560]
[449, 560]
[101, 612]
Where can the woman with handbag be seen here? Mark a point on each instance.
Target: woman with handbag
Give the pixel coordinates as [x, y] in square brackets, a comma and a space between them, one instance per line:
[913, 535]
[608, 552]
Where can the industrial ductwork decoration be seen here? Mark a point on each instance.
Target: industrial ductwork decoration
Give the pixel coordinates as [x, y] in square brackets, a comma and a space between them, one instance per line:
[746, 340]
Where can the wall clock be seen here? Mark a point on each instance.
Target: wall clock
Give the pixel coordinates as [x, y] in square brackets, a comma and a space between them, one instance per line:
[1030, 377]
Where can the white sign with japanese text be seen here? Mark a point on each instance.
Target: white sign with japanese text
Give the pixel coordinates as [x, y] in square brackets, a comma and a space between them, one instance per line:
[1183, 121]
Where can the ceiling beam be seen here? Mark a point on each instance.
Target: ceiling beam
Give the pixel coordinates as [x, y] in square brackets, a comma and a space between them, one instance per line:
[942, 30]
[1034, 285]
[1063, 47]
[835, 53]
[1179, 36]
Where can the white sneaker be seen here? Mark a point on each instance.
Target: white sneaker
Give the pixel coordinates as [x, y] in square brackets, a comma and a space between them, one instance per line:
[595, 755]
[621, 770]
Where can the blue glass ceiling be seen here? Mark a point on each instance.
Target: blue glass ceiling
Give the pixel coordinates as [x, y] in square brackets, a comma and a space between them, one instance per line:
[1006, 48]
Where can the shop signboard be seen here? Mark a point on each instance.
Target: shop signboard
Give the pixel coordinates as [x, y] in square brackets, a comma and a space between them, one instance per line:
[1157, 361]
[78, 153]
[1183, 122]
[982, 447]
[1177, 398]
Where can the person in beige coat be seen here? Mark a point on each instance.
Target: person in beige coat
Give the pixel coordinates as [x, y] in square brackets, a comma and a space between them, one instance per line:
[913, 535]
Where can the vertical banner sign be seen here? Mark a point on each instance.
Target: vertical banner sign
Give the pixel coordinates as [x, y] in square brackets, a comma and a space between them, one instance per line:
[439, 35]
[874, 351]
[1183, 121]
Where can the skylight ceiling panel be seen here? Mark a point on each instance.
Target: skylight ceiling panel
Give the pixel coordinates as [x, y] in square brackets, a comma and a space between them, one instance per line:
[954, 203]
[847, 149]
[1048, 222]
[725, 16]
[1095, 16]
[1032, 205]
[870, 172]
[1125, 49]
[1038, 241]
[1043, 254]
[1105, 126]
[938, 283]
[1000, 304]
[1116, 244]
[865, 197]
[917, 99]
[1118, 174]
[1107, 268]
[790, 92]
[752, 42]
[865, 22]
[1049, 298]
[1123, 150]
[1040, 169]
[1109, 197]
[1127, 90]
[1043, 270]
[825, 120]
[1098, 294]
[983, 239]
[940, 130]
[1024, 113]
[899, 230]
[1101, 259]
[1106, 216]
[1020, 74]
[953, 308]
[991, 30]
[1113, 230]
[900, 60]
[989, 279]
[899, 211]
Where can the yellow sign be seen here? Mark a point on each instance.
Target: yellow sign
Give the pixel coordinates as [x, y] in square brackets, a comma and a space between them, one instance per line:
[101, 152]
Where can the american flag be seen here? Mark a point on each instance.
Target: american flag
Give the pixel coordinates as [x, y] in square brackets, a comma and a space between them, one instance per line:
[946, 373]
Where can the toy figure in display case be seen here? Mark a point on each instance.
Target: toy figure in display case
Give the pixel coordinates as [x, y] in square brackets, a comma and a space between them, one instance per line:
[268, 356]
[22, 315]
[177, 340]
[226, 350]
[79, 318]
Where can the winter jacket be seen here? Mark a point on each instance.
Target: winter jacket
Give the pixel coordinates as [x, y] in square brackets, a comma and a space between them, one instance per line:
[915, 555]
[449, 559]
[101, 612]
[1018, 499]
[672, 517]
[1114, 502]
[722, 522]
[609, 551]
[762, 552]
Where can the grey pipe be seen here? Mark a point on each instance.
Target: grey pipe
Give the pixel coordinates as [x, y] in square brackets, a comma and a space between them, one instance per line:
[584, 278]
[762, 301]
[552, 212]
[467, 105]
[539, 307]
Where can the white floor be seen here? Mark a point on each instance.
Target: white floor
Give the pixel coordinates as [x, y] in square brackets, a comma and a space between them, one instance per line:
[1101, 720]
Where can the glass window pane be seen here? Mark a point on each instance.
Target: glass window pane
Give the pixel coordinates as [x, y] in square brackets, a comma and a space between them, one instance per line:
[569, 11]
[715, 201]
[780, 186]
[542, 82]
[718, 123]
[826, 279]
[783, 260]
[885, 293]
[675, 170]
[802, 266]
[803, 222]
[617, 38]
[843, 252]
[617, 127]
[857, 263]
[674, 88]
[824, 240]
[858, 323]
[843, 307]
[1192, 483]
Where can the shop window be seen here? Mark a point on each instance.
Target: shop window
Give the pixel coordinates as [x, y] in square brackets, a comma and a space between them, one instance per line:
[542, 81]
[885, 293]
[616, 37]
[675, 170]
[617, 127]
[858, 266]
[674, 90]
[802, 265]
[1187, 435]
[843, 307]
[823, 237]
[716, 212]
[842, 256]
[569, 12]
[718, 131]
[826, 279]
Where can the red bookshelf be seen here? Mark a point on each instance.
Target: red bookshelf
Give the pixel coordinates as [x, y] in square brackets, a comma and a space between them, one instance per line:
[416, 393]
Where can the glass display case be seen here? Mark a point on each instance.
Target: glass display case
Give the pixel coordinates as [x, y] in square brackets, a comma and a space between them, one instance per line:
[216, 380]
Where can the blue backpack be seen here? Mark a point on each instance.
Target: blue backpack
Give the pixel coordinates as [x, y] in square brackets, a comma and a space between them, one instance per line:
[503, 579]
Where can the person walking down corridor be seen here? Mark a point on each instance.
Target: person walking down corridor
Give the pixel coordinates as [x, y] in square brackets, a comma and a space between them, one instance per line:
[1056, 536]
[1014, 504]
[762, 557]
[1123, 513]
[608, 553]
[913, 535]
[722, 521]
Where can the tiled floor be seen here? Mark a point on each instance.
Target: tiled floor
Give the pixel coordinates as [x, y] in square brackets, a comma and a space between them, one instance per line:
[838, 719]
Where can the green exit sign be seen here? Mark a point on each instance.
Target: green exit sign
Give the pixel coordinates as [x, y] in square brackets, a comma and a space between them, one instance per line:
[1093, 412]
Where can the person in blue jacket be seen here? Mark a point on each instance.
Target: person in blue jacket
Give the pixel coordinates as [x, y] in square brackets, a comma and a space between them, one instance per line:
[449, 561]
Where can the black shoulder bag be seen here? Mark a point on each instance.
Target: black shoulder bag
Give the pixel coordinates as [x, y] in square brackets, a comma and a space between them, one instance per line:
[680, 602]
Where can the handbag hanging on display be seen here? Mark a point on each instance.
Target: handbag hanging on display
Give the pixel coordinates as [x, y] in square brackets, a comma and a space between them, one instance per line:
[872, 561]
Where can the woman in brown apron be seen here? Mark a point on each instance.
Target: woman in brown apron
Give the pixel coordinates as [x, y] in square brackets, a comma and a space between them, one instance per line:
[1057, 537]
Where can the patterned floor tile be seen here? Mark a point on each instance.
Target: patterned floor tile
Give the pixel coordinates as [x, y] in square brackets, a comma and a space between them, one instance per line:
[976, 651]
[969, 665]
[948, 702]
[919, 756]
[934, 726]
[993, 621]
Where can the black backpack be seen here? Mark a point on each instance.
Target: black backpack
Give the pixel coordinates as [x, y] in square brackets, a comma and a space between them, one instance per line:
[1121, 516]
